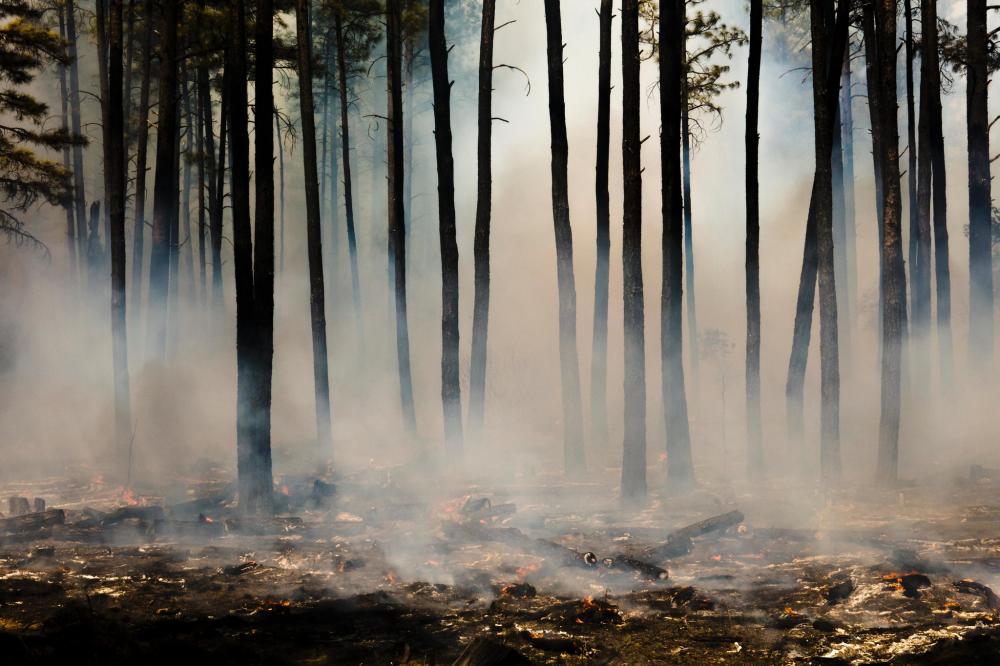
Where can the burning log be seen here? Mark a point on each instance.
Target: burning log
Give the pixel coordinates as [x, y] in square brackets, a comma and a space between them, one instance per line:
[31, 522]
[645, 569]
[972, 587]
[679, 542]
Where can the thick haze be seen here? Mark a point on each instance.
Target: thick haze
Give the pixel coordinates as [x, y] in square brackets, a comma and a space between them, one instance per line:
[55, 361]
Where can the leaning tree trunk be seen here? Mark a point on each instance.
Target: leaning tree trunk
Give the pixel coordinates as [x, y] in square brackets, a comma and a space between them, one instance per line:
[481, 241]
[67, 160]
[164, 187]
[826, 78]
[451, 392]
[680, 470]
[893, 278]
[141, 154]
[397, 213]
[573, 449]
[940, 176]
[755, 454]
[912, 154]
[314, 241]
[980, 248]
[79, 193]
[345, 141]
[634, 443]
[599, 357]
[114, 138]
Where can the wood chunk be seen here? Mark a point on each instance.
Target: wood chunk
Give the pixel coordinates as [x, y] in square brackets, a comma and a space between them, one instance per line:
[839, 591]
[31, 522]
[679, 542]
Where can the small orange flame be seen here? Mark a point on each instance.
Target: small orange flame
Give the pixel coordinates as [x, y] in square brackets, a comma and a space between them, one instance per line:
[717, 557]
[523, 572]
[284, 490]
[128, 497]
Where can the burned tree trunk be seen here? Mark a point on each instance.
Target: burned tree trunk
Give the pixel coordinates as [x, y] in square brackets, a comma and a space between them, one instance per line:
[215, 214]
[397, 213]
[141, 154]
[755, 455]
[481, 242]
[599, 355]
[912, 154]
[573, 449]
[345, 139]
[634, 445]
[314, 241]
[980, 213]
[66, 158]
[893, 279]
[692, 312]
[802, 330]
[101, 32]
[203, 174]
[875, 114]
[114, 138]
[920, 233]
[164, 187]
[281, 191]
[680, 470]
[79, 192]
[451, 395]
[187, 241]
[847, 305]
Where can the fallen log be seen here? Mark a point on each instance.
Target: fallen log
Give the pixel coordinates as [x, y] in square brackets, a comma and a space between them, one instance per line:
[148, 514]
[31, 522]
[680, 542]
[972, 587]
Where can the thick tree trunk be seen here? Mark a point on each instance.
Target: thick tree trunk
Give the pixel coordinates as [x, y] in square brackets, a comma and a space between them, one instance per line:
[755, 454]
[573, 449]
[634, 444]
[345, 142]
[451, 392]
[912, 174]
[79, 192]
[314, 241]
[396, 207]
[481, 241]
[829, 348]
[680, 471]
[980, 236]
[893, 278]
[164, 187]
[114, 138]
[67, 159]
[141, 155]
[940, 176]
[599, 356]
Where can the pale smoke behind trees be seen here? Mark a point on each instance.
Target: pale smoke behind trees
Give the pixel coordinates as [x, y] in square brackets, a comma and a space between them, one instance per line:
[56, 398]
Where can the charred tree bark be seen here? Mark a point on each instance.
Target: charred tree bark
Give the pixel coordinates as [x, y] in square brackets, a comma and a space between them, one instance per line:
[680, 471]
[481, 241]
[281, 191]
[912, 173]
[141, 154]
[164, 187]
[451, 395]
[203, 174]
[215, 215]
[67, 159]
[755, 454]
[980, 204]
[345, 141]
[573, 449]
[692, 313]
[101, 30]
[847, 305]
[893, 278]
[397, 213]
[634, 445]
[875, 119]
[408, 88]
[313, 227]
[599, 356]
[79, 192]
[114, 138]
[185, 239]
[920, 235]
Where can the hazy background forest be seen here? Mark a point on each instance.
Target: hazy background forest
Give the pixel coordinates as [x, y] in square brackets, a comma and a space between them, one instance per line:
[55, 345]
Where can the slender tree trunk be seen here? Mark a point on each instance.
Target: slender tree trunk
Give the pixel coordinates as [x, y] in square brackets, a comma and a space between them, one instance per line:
[67, 159]
[129, 59]
[826, 79]
[599, 356]
[920, 237]
[281, 191]
[408, 86]
[893, 278]
[755, 453]
[680, 471]
[313, 226]
[141, 154]
[79, 192]
[451, 392]
[333, 251]
[802, 331]
[396, 207]
[164, 187]
[634, 444]
[875, 117]
[847, 305]
[203, 174]
[692, 313]
[114, 137]
[215, 216]
[173, 310]
[940, 176]
[345, 141]
[840, 230]
[573, 450]
[187, 241]
[101, 28]
[481, 241]
[980, 236]
[912, 155]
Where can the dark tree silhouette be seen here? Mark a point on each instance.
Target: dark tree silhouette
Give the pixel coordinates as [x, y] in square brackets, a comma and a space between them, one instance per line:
[755, 456]
[345, 142]
[141, 154]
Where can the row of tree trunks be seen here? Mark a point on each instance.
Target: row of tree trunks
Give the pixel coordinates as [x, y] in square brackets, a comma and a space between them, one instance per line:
[573, 445]
[634, 444]
[481, 240]
[680, 470]
[451, 395]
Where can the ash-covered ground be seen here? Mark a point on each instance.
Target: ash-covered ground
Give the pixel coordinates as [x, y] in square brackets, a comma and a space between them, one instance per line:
[373, 567]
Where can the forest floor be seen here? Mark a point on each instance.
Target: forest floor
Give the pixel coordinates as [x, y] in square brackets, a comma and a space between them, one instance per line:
[374, 568]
